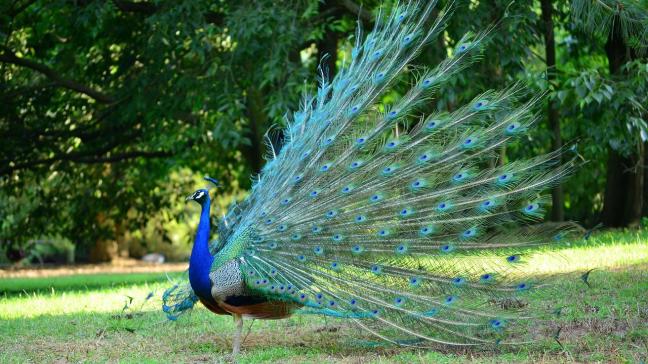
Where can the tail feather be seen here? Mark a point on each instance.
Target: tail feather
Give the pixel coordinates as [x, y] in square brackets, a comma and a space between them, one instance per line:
[178, 299]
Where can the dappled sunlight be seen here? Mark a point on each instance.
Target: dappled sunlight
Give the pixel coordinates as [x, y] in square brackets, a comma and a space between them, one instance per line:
[30, 305]
[605, 251]
[608, 251]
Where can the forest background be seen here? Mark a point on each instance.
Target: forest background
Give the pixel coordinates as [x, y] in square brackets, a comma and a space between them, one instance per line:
[112, 111]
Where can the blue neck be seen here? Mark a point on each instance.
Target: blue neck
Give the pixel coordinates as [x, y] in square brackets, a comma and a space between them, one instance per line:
[201, 259]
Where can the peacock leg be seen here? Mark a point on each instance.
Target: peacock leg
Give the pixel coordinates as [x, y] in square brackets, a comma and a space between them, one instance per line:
[236, 347]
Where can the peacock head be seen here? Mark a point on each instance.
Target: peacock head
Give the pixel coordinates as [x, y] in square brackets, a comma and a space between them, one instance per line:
[199, 196]
[202, 195]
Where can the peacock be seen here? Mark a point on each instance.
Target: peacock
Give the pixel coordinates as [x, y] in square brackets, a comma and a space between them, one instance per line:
[407, 224]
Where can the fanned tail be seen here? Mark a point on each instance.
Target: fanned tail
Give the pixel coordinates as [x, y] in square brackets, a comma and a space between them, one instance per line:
[407, 224]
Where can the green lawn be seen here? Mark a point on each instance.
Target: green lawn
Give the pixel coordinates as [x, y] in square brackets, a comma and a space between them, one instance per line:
[79, 282]
[83, 318]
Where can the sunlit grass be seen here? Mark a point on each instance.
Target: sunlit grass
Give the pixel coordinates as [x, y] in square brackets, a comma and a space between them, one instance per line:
[77, 281]
[31, 297]
[55, 303]
[585, 258]
[607, 250]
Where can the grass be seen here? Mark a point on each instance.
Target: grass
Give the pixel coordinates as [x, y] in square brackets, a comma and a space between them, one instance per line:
[77, 282]
[91, 318]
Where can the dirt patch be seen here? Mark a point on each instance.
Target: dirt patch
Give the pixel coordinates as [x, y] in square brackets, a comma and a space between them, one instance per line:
[118, 266]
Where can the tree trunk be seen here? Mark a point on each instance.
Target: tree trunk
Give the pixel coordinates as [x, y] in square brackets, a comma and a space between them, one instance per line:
[557, 195]
[635, 189]
[615, 194]
[645, 182]
[327, 46]
[623, 200]
[104, 250]
[257, 118]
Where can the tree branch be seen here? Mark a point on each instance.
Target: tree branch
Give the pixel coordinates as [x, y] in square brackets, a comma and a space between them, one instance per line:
[124, 156]
[145, 8]
[86, 159]
[9, 57]
[358, 10]
[13, 12]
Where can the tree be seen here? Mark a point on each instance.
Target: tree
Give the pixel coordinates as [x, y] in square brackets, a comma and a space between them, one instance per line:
[103, 100]
[625, 25]
[111, 109]
[557, 196]
[98, 111]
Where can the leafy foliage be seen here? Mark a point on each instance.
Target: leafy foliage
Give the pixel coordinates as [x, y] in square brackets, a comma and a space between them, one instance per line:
[99, 110]
[103, 101]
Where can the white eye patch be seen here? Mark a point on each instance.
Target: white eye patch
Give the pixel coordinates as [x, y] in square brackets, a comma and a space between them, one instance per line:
[199, 195]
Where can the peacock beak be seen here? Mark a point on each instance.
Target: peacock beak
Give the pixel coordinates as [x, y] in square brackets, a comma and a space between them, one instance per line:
[189, 198]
